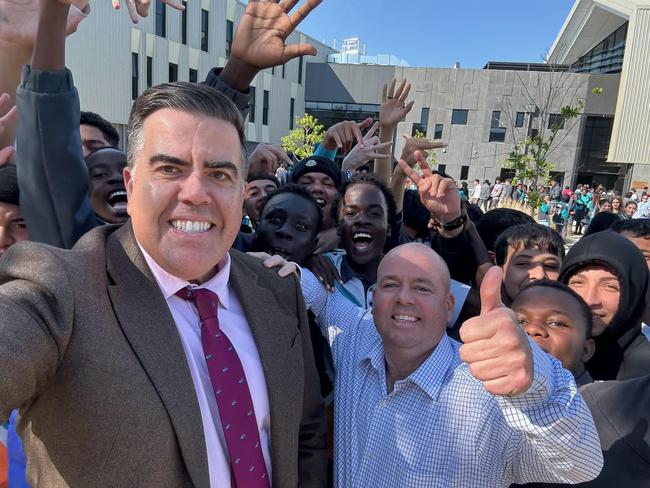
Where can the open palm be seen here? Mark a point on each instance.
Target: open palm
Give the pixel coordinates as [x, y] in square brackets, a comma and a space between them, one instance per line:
[262, 33]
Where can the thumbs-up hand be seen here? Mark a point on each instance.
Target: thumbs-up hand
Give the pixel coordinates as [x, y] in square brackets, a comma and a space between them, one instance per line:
[495, 348]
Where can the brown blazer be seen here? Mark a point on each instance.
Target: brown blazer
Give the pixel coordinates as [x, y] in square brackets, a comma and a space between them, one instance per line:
[91, 356]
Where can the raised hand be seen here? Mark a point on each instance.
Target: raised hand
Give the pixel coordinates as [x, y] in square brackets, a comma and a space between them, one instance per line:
[393, 106]
[342, 135]
[7, 124]
[371, 149]
[260, 38]
[439, 195]
[19, 18]
[495, 348]
[140, 8]
[417, 144]
[266, 159]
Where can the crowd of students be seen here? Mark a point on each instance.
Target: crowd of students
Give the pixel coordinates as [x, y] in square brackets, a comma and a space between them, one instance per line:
[381, 244]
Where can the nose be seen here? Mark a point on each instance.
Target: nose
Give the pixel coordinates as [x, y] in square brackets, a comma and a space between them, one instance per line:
[193, 190]
[6, 239]
[404, 296]
[116, 177]
[591, 296]
[537, 272]
[536, 329]
[284, 233]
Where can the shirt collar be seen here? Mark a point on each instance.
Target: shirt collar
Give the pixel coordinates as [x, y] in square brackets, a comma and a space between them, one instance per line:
[431, 374]
[170, 284]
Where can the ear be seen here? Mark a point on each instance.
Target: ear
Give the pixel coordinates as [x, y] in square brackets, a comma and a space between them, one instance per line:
[449, 306]
[389, 230]
[493, 256]
[128, 174]
[588, 350]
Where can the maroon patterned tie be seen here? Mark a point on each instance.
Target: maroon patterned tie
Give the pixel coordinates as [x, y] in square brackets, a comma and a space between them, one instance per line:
[231, 391]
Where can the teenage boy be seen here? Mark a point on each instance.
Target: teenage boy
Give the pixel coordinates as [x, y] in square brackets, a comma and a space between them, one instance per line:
[258, 187]
[290, 219]
[528, 252]
[559, 321]
[107, 191]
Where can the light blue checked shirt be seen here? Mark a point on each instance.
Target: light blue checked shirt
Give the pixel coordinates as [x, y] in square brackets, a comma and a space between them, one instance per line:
[439, 427]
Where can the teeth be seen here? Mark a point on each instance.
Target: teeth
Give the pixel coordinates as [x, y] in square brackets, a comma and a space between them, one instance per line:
[405, 318]
[117, 194]
[360, 235]
[191, 226]
[320, 202]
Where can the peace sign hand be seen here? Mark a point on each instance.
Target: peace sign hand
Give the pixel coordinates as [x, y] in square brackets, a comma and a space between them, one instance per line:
[439, 195]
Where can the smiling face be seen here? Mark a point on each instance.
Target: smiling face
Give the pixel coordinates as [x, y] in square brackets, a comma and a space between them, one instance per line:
[324, 190]
[186, 192]
[288, 227]
[630, 208]
[12, 226]
[555, 321]
[412, 302]
[525, 265]
[363, 222]
[256, 190]
[601, 289]
[605, 206]
[107, 191]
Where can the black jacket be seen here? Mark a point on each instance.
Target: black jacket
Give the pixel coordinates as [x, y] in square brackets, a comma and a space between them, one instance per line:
[622, 352]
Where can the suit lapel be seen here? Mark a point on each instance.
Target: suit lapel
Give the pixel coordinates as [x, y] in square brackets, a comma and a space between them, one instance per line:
[149, 327]
[273, 341]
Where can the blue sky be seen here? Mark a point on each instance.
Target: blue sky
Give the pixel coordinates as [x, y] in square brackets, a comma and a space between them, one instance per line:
[437, 33]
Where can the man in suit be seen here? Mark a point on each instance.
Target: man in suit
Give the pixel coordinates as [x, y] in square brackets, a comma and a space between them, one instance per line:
[107, 349]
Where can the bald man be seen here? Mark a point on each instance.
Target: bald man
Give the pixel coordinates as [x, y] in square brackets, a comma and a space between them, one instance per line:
[415, 408]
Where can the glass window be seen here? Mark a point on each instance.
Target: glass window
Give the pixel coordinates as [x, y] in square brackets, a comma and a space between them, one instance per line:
[149, 71]
[292, 114]
[324, 106]
[464, 172]
[194, 75]
[459, 117]
[437, 134]
[311, 105]
[497, 133]
[229, 34]
[284, 70]
[135, 76]
[442, 168]
[161, 19]
[205, 19]
[300, 66]
[418, 130]
[354, 107]
[265, 108]
[184, 23]
[519, 119]
[370, 108]
[555, 122]
[424, 116]
[251, 105]
[173, 72]
[339, 106]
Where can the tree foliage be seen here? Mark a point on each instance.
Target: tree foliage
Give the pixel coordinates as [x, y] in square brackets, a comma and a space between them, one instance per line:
[302, 140]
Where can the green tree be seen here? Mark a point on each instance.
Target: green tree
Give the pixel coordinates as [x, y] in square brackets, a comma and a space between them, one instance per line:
[302, 140]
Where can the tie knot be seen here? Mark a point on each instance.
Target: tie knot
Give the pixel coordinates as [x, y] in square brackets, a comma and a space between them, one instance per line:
[206, 301]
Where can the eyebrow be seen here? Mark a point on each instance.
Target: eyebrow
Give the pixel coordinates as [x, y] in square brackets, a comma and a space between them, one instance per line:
[165, 158]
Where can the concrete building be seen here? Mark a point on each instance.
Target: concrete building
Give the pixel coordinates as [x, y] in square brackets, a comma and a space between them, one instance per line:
[610, 36]
[480, 113]
[114, 61]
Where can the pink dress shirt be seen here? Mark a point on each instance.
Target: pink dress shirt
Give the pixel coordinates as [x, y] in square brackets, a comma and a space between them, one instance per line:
[233, 322]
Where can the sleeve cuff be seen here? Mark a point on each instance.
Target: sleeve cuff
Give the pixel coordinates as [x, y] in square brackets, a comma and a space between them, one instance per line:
[46, 81]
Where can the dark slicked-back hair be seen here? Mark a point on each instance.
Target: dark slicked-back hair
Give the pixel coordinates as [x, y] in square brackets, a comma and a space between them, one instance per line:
[494, 222]
[95, 120]
[186, 97]
[558, 285]
[263, 176]
[636, 227]
[528, 236]
[295, 190]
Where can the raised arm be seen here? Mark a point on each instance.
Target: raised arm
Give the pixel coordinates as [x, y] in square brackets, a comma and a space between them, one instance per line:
[52, 173]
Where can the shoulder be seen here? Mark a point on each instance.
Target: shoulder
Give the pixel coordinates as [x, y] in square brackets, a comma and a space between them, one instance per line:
[252, 268]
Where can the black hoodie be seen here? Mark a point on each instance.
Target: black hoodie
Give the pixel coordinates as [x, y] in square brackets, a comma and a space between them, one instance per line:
[622, 351]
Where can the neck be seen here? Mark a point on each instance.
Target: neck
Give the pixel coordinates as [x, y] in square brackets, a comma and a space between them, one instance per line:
[367, 270]
[400, 363]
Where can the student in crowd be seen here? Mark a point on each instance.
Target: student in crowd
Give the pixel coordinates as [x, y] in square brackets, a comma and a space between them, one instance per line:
[617, 205]
[476, 192]
[107, 191]
[96, 132]
[494, 222]
[629, 210]
[290, 219]
[601, 221]
[485, 195]
[560, 322]
[12, 224]
[609, 272]
[258, 187]
[527, 252]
